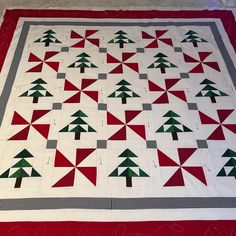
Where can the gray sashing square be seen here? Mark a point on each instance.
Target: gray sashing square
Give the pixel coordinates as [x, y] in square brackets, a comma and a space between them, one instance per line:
[102, 106]
[143, 76]
[101, 144]
[202, 144]
[51, 144]
[61, 75]
[178, 49]
[147, 107]
[151, 144]
[192, 106]
[56, 106]
[102, 76]
[184, 75]
[140, 50]
[65, 49]
[102, 50]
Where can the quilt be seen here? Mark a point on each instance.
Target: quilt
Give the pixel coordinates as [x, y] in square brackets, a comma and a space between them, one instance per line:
[117, 116]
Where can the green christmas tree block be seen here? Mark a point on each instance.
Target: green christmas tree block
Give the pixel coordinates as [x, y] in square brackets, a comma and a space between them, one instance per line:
[37, 91]
[173, 126]
[82, 63]
[210, 91]
[125, 168]
[123, 92]
[231, 163]
[78, 125]
[18, 170]
[162, 63]
[193, 38]
[121, 39]
[48, 38]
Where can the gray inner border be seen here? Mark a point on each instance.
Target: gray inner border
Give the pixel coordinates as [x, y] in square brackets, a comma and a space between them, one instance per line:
[111, 203]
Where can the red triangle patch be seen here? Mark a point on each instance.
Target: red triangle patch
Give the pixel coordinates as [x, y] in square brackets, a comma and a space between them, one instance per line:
[54, 65]
[117, 70]
[197, 172]
[153, 44]
[159, 33]
[197, 69]
[167, 41]
[74, 99]
[87, 82]
[133, 66]
[18, 120]
[67, 180]
[75, 35]
[43, 129]
[37, 68]
[94, 42]
[176, 179]
[146, 35]
[163, 99]
[90, 32]
[185, 153]
[127, 55]
[179, 94]
[204, 55]
[164, 160]
[170, 83]
[187, 58]
[92, 94]
[33, 58]
[130, 115]
[217, 134]
[79, 44]
[22, 135]
[231, 127]
[61, 160]
[90, 173]
[206, 119]
[112, 120]
[38, 114]
[119, 135]
[223, 114]
[139, 129]
[68, 86]
[49, 55]
[82, 153]
[213, 65]
[111, 59]
[154, 87]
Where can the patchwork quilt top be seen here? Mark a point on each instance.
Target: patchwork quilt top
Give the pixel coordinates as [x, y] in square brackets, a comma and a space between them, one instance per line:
[100, 115]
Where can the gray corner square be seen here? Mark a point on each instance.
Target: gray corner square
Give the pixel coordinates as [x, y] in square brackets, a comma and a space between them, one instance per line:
[143, 76]
[202, 143]
[51, 144]
[56, 106]
[65, 49]
[102, 144]
[178, 49]
[184, 75]
[147, 107]
[102, 50]
[192, 106]
[102, 106]
[151, 144]
[61, 75]
[102, 76]
[140, 50]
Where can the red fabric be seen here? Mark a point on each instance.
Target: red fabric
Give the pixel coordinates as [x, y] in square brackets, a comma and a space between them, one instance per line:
[162, 228]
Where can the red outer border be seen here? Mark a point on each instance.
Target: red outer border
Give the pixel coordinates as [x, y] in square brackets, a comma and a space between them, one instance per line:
[153, 228]
[11, 18]
[148, 228]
